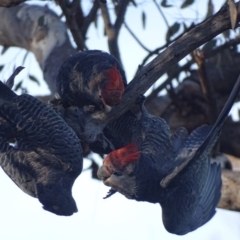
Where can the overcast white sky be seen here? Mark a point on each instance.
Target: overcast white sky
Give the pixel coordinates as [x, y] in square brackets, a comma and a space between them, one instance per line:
[21, 216]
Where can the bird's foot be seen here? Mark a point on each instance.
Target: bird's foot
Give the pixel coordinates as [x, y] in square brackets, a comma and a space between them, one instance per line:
[110, 193]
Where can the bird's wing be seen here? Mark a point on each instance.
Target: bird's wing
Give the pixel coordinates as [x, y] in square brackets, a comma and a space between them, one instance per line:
[208, 199]
[46, 143]
[192, 204]
[202, 140]
[45, 132]
[14, 163]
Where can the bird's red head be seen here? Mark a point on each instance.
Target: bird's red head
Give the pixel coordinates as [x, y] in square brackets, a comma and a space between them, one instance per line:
[118, 168]
[118, 159]
[111, 86]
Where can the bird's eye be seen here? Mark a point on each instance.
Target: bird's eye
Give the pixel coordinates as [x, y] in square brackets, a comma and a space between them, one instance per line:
[100, 96]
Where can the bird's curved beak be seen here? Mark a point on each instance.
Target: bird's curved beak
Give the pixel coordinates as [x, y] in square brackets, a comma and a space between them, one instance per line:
[103, 173]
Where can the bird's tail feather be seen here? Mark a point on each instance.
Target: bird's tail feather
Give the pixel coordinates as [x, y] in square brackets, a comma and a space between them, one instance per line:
[217, 127]
[207, 143]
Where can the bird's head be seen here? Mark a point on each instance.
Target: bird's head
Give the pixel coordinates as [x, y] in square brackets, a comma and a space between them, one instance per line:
[110, 86]
[118, 170]
[56, 198]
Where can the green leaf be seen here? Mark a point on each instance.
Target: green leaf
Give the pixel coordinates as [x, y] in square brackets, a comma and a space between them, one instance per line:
[187, 3]
[34, 79]
[144, 19]
[41, 21]
[172, 30]
[1, 67]
[164, 4]
[18, 86]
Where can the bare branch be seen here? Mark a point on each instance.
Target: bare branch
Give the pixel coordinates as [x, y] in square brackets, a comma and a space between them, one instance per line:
[147, 75]
[157, 50]
[33, 28]
[230, 195]
[185, 67]
[111, 33]
[106, 17]
[161, 12]
[121, 10]
[90, 17]
[136, 38]
[69, 11]
[174, 74]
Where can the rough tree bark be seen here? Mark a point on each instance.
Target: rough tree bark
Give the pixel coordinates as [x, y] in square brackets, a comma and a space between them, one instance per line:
[39, 30]
[230, 198]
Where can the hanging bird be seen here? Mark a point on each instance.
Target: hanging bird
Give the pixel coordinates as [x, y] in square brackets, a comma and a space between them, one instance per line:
[72, 115]
[47, 156]
[92, 78]
[173, 170]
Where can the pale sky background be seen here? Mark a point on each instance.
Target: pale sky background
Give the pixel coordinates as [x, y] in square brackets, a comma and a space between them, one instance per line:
[21, 216]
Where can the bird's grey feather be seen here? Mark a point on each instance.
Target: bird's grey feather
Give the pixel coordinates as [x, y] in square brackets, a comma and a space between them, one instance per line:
[47, 156]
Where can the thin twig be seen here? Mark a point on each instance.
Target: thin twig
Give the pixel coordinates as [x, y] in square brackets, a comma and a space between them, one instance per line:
[161, 12]
[69, 10]
[111, 32]
[121, 11]
[207, 54]
[136, 38]
[174, 74]
[90, 17]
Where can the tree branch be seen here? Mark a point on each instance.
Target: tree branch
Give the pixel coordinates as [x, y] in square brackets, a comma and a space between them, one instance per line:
[69, 10]
[186, 66]
[148, 74]
[111, 33]
[230, 198]
[39, 30]
[161, 12]
[136, 38]
[90, 17]
[121, 11]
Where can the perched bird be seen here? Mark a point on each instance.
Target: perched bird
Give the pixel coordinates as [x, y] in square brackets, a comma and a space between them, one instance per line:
[46, 157]
[172, 170]
[91, 78]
